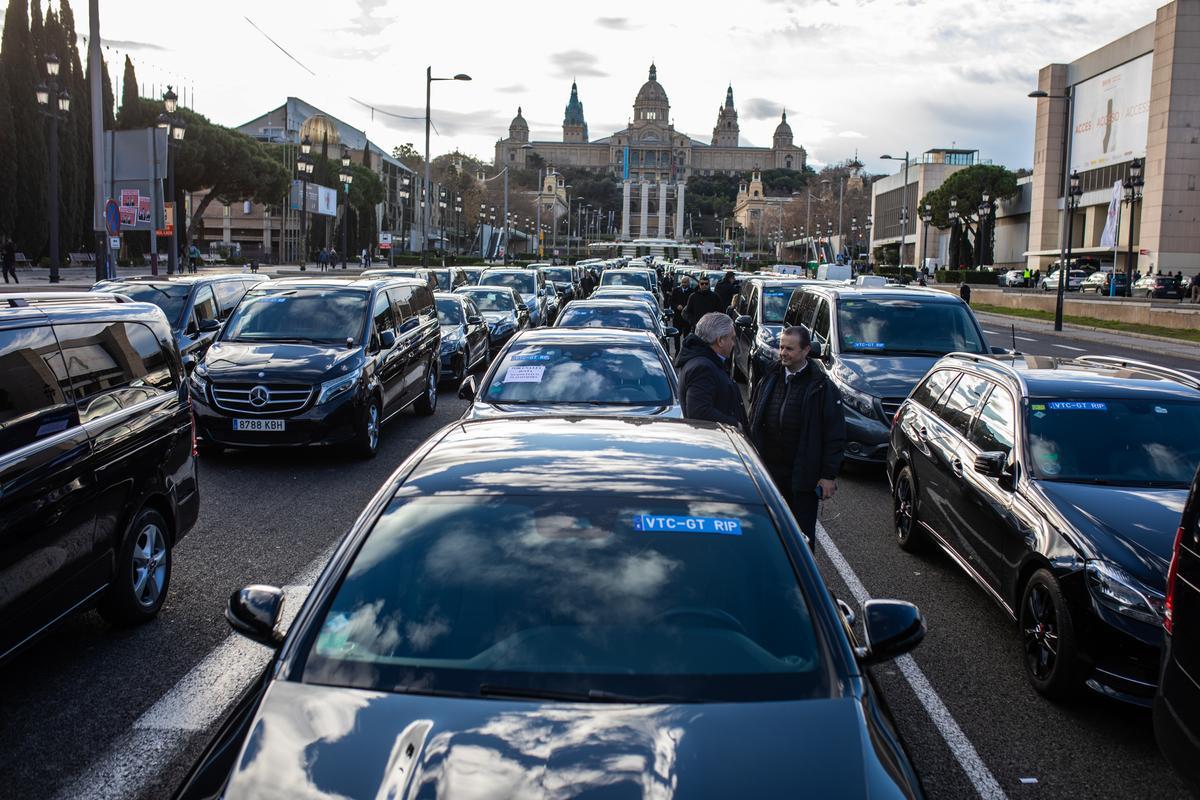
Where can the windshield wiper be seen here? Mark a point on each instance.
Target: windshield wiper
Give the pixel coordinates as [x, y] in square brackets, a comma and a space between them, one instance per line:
[590, 696]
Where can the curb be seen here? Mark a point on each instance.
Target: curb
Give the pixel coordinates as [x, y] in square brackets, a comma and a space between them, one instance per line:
[1146, 345]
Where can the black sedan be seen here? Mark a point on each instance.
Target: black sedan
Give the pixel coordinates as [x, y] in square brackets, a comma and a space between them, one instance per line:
[502, 310]
[465, 344]
[533, 607]
[615, 313]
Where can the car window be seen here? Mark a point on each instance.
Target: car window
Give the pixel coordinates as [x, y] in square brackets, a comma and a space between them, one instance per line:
[749, 309]
[318, 315]
[993, 428]
[228, 294]
[571, 593]
[449, 311]
[962, 402]
[930, 389]
[820, 329]
[524, 282]
[472, 309]
[495, 300]
[33, 403]
[204, 306]
[581, 373]
[382, 314]
[402, 304]
[804, 310]
[113, 365]
[170, 297]
[878, 325]
[774, 304]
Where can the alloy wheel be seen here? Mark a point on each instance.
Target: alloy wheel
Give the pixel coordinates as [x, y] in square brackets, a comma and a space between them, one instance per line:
[1039, 629]
[373, 426]
[149, 565]
[903, 507]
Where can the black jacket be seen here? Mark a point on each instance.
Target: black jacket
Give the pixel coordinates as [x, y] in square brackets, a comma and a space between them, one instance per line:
[701, 303]
[823, 441]
[680, 296]
[705, 388]
[726, 291]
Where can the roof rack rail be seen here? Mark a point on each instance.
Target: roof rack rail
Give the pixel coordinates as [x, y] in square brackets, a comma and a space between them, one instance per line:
[985, 360]
[61, 298]
[1145, 366]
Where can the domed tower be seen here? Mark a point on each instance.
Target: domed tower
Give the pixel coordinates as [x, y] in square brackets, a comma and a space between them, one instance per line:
[518, 129]
[783, 134]
[651, 105]
[574, 127]
[725, 134]
[787, 154]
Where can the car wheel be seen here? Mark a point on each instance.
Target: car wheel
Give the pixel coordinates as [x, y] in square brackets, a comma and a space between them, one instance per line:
[427, 403]
[1048, 638]
[909, 535]
[366, 440]
[143, 571]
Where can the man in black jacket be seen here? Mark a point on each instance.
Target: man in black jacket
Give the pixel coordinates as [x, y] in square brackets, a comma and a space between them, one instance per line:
[726, 290]
[678, 302]
[703, 301]
[705, 388]
[798, 425]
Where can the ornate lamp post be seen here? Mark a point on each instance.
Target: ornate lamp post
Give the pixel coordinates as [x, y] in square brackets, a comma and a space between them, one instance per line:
[985, 210]
[175, 128]
[1133, 196]
[304, 168]
[954, 232]
[54, 106]
[1074, 192]
[903, 206]
[405, 194]
[347, 178]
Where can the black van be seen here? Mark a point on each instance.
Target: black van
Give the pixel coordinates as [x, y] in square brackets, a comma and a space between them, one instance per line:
[97, 473]
[195, 305]
[308, 361]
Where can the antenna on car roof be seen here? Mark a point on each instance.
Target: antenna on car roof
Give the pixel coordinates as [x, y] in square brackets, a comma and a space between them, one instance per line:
[1014, 340]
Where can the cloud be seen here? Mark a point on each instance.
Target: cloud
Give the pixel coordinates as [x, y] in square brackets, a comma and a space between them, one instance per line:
[572, 63]
[129, 44]
[615, 23]
[997, 75]
[482, 122]
[514, 88]
[852, 135]
[365, 22]
[757, 108]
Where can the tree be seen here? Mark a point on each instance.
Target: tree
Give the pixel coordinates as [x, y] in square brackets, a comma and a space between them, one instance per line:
[967, 187]
[129, 84]
[19, 66]
[409, 156]
[8, 161]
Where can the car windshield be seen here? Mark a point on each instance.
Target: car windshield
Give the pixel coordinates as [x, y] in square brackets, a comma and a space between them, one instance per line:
[443, 279]
[493, 300]
[622, 278]
[868, 326]
[170, 297]
[1127, 441]
[581, 373]
[449, 312]
[525, 283]
[775, 303]
[579, 316]
[571, 597]
[311, 315]
[558, 274]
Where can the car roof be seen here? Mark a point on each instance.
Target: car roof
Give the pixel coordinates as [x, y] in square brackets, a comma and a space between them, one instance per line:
[81, 311]
[1091, 377]
[448, 296]
[923, 294]
[557, 455]
[600, 302]
[615, 336]
[186, 279]
[349, 282]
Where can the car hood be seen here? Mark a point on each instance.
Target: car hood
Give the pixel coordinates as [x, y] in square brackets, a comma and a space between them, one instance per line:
[451, 331]
[317, 741]
[238, 361]
[883, 376]
[1132, 527]
[492, 317]
[493, 410]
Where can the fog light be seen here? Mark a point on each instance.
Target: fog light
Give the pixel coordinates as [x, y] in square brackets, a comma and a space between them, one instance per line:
[854, 447]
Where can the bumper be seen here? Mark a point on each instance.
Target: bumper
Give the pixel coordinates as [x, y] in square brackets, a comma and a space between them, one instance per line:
[866, 438]
[333, 422]
[1123, 655]
[450, 364]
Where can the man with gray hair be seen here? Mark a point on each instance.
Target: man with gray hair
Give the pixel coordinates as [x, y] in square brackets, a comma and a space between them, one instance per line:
[705, 388]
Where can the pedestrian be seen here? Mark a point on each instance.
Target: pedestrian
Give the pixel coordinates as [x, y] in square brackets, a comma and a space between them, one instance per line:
[727, 290]
[964, 291]
[678, 302]
[798, 425]
[365, 260]
[193, 258]
[323, 259]
[9, 261]
[1026, 276]
[1194, 292]
[703, 301]
[705, 389]
[587, 283]
[333, 258]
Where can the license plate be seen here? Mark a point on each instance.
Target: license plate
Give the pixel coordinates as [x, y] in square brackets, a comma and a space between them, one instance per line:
[267, 425]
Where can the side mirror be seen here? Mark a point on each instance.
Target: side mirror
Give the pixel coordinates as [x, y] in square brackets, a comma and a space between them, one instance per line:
[744, 322]
[819, 351]
[468, 390]
[189, 364]
[1003, 351]
[671, 330]
[387, 339]
[991, 463]
[891, 628]
[474, 319]
[209, 325]
[254, 612]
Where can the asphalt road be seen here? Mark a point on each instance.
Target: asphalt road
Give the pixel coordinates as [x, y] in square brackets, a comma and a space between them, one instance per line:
[93, 712]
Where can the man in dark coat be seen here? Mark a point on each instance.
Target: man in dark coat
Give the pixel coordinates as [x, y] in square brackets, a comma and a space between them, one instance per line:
[587, 283]
[705, 388]
[727, 290]
[678, 302]
[798, 425]
[703, 301]
[10, 261]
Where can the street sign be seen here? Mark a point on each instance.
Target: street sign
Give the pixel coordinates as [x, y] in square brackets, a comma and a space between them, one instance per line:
[1143, 252]
[114, 243]
[112, 217]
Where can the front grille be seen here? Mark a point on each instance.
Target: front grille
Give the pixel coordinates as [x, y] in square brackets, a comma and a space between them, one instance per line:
[890, 406]
[281, 398]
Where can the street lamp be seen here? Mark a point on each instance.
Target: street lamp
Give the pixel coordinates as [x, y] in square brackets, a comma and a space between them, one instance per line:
[347, 178]
[458, 207]
[429, 79]
[304, 168]
[62, 105]
[1064, 247]
[926, 217]
[1133, 196]
[1074, 192]
[985, 210]
[903, 206]
[175, 128]
[954, 233]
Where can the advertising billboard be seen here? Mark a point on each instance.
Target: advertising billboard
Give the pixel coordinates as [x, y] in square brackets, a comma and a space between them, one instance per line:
[1112, 111]
[320, 199]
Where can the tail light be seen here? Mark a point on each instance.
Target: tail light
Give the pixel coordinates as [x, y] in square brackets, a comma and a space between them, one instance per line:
[896, 416]
[1172, 576]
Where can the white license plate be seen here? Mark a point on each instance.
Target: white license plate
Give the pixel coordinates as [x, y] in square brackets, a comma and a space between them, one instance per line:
[268, 425]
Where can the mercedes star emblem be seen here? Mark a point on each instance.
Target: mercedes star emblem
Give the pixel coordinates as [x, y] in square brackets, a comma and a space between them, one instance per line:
[259, 396]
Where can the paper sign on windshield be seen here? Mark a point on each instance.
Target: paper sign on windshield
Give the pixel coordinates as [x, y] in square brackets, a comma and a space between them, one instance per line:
[524, 374]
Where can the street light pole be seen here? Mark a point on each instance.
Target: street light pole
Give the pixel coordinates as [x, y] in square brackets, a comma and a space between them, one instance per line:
[1071, 202]
[926, 217]
[348, 178]
[56, 106]
[426, 200]
[304, 165]
[903, 207]
[1064, 247]
[1133, 195]
[175, 128]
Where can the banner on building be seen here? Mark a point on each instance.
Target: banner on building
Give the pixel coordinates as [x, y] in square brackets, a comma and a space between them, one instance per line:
[1112, 115]
[1109, 237]
[319, 199]
[625, 162]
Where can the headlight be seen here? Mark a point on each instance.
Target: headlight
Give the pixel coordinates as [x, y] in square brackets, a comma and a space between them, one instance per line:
[449, 345]
[861, 402]
[1116, 589]
[338, 386]
[198, 383]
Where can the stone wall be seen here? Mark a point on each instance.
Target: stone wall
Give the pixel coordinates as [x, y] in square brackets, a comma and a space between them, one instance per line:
[1163, 313]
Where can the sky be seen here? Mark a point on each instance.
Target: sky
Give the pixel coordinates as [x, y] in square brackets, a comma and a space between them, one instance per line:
[865, 76]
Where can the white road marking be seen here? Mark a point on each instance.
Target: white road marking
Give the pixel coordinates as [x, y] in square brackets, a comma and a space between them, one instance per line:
[193, 706]
[1024, 339]
[960, 746]
[990, 333]
[1068, 347]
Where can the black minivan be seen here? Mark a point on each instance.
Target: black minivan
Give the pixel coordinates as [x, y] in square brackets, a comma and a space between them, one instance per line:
[97, 473]
[319, 361]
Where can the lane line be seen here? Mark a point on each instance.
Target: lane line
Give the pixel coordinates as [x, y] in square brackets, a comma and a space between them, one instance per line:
[991, 333]
[960, 746]
[1024, 339]
[1068, 347]
[193, 706]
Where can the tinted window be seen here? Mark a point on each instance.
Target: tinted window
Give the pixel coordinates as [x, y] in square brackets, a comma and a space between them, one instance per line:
[993, 428]
[204, 306]
[170, 297]
[449, 312]
[493, 301]
[382, 314]
[820, 329]
[958, 409]
[803, 306]
[422, 302]
[402, 302]
[930, 389]
[900, 325]
[308, 315]
[622, 278]
[113, 365]
[1124, 441]
[32, 401]
[591, 373]
[228, 294]
[775, 303]
[523, 282]
[570, 593]
[443, 279]
[578, 316]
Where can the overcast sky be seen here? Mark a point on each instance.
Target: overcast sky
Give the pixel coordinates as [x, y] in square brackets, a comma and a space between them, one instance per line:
[874, 76]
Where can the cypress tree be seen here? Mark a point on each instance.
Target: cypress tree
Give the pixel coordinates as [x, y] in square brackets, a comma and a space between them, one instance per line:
[20, 68]
[79, 132]
[129, 86]
[8, 162]
[110, 101]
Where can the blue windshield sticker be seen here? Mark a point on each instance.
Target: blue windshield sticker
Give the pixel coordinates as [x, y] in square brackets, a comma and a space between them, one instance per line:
[1076, 405]
[1160, 410]
[867, 345]
[530, 357]
[778, 293]
[654, 522]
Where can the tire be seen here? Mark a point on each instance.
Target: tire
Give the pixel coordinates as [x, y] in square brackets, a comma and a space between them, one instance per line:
[909, 535]
[427, 403]
[1048, 645]
[366, 438]
[143, 571]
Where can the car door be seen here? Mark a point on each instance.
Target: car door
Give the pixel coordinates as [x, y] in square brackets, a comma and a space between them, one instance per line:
[820, 326]
[47, 528]
[477, 332]
[952, 456]
[920, 425]
[429, 336]
[991, 532]
[389, 367]
[407, 341]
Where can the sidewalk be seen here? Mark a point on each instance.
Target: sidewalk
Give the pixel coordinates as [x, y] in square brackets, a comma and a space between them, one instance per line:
[1160, 345]
[76, 279]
